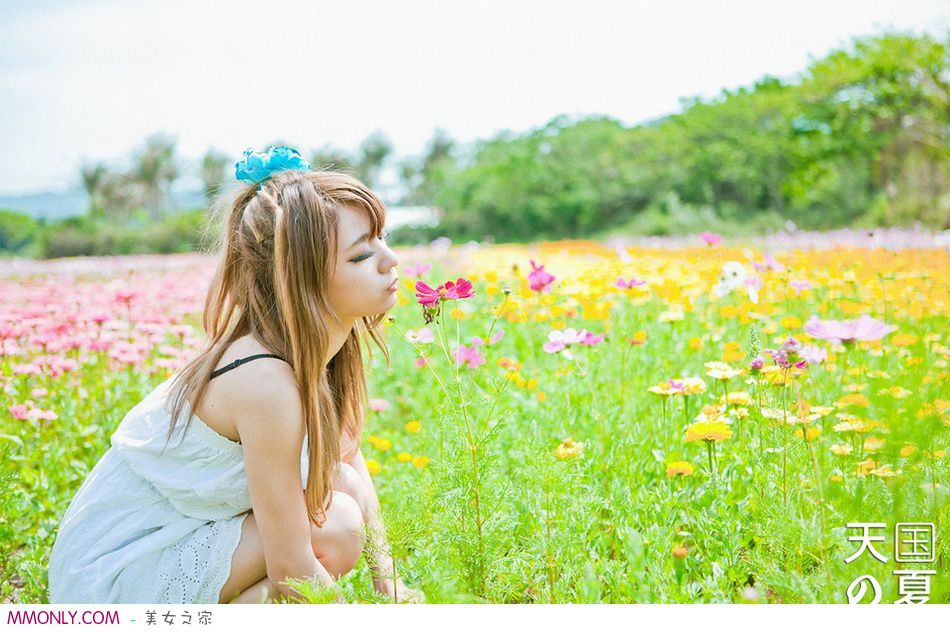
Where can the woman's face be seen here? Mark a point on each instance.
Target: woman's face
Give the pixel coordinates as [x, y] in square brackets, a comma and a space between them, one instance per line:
[365, 269]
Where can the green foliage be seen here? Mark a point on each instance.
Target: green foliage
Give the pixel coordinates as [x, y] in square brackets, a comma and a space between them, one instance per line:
[17, 231]
[860, 137]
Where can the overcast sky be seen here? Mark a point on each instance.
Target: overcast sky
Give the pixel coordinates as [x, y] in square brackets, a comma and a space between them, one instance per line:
[92, 79]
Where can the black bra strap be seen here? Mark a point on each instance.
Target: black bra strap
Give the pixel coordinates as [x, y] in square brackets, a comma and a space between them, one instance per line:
[241, 361]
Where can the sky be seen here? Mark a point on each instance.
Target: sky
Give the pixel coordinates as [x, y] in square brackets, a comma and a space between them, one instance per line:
[91, 80]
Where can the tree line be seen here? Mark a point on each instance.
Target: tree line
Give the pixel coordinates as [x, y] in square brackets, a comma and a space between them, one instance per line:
[858, 138]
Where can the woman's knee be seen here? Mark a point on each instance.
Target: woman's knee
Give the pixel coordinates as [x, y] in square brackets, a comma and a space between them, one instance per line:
[338, 544]
[348, 481]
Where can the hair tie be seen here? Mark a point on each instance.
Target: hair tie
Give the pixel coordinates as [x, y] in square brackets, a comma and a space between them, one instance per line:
[258, 166]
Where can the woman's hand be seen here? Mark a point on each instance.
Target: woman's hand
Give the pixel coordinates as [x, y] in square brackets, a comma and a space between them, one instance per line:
[398, 591]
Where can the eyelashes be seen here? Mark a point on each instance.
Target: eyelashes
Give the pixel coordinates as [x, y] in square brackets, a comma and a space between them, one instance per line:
[367, 255]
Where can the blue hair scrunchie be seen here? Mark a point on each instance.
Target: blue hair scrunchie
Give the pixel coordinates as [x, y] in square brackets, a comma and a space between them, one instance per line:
[258, 166]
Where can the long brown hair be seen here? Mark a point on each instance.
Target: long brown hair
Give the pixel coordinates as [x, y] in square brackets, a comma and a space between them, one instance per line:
[277, 250]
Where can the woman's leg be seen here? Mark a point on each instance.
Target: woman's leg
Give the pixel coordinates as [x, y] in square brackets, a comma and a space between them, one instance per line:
[337, 546]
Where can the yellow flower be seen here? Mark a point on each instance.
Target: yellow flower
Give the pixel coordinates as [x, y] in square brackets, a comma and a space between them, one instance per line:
[732, 352]
[373, 467]
[540, 396]
[873, 444]
[865, 466]
[693, 385]
[903, 340]
[403, 457]
[670, 316]
[569, 449]
[813, 433]
[682, 468]
[841, 449]
[458, 314]
[420, 461]
[695, 343]
[413, 426]
[907, 450]
[680, 552]
[383, 444]
[663, 388]
[791, 322]
[885, 471]
[897, 392]
[707, 431]
[721, 371]
[855, 399]
[639, 337]
[737, 398]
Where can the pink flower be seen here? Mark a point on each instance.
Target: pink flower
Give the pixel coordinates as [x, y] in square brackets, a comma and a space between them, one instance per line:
[124, 296]
[19, 411]
[378, 405]
[448, 291]
[591, 339]
[799, 285]
[421, 362]
[711, 239]
[769, 263]
[848, 331]
[813, 354]
[423, 336]
[558, 340]
[756, 364]
[469, 356]
[629, 284]
[540, 278]
[477, 340]
[417, 269]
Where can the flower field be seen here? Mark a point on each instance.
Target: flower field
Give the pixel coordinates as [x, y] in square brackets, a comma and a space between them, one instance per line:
[562, 421]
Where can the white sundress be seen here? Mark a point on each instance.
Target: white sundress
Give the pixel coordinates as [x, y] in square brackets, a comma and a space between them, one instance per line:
[146, 527]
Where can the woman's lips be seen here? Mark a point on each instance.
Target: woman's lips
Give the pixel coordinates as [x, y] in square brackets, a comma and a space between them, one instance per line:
[394, 286]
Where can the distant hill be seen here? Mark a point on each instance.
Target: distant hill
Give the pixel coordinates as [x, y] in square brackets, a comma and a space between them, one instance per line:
[52, 205]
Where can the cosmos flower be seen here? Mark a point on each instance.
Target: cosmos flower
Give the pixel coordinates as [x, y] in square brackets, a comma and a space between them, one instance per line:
[448, 291]
[632, 283]
[848, 331]
[423, 336]
[417, 269]
[558, 339]
[540, 278]
[469, 356]
[734, 277]
[711, 239]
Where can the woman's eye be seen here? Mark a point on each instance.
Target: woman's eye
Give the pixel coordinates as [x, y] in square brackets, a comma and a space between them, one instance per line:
[362, 257]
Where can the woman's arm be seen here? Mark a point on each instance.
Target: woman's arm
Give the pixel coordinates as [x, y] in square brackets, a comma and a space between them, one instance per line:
[377, 550]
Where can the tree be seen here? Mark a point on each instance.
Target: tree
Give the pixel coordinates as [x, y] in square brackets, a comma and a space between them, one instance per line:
[154, 168]
[373, 153]
[213, 172]
[92, 176]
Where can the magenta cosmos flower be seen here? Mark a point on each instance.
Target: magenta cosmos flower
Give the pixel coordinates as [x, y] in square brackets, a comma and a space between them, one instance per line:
[448, 291]
[540, 278]
[848, 331]
[711, 239]
[624, 284]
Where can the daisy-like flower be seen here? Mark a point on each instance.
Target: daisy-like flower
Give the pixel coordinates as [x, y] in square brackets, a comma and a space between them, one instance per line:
[734, 277]
[721, 371]
[569, 449]
[679, 468]
[693, 385]
[469, 356]
[737, 398]
[711, 239]
[448, 291]
[626, 285]
[665, 389]
[707, 431]
[848, 331]
[423, 336]
[539, 278]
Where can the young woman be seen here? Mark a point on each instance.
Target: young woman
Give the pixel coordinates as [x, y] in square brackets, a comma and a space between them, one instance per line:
[266, 480]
